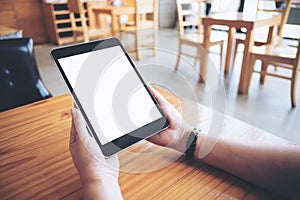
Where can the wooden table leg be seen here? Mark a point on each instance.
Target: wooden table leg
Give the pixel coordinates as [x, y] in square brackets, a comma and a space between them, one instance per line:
[244, 77]
[231, 32]
[204, 57]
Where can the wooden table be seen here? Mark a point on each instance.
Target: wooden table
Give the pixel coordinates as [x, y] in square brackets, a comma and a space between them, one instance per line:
[115, 12]
[35, 162]
[6, 31]
[233, 21]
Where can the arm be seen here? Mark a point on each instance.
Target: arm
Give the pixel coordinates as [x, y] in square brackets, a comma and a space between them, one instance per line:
[98, 175]
[272, 166]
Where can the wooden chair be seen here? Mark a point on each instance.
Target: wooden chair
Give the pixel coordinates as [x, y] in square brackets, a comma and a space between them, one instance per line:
[80, 26]
[146, 17]
[190, 17]
[281, 57]
[284, 12]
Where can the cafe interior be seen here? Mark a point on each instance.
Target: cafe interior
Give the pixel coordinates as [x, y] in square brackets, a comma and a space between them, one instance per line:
[234, 57]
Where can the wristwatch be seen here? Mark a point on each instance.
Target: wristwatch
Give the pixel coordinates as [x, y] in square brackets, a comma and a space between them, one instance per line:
[191, 143]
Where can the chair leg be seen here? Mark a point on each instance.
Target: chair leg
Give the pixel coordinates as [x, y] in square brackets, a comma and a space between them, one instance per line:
[178, 56]
[137, 45]
[197, 57]
[264, 68]
[236, 45]
[202, 67]
[249, 75]
[138, 54]
[293, 86]
[155, 42]
[221, 54]
[195, 61]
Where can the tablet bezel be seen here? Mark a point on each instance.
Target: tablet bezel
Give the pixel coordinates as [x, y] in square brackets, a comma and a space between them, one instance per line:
[128, 139]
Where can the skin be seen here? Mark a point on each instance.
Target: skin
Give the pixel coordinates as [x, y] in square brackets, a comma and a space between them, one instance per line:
[274, 167]
[98, 175]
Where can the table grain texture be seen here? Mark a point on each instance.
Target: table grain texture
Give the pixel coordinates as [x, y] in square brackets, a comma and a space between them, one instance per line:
[35, 162]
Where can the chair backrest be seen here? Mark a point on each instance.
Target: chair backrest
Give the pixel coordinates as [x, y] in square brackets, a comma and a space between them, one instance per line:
[297, 59]
[77, 9]
[20, 81]
[143, 10]
[281, 7]
[76, 6]
[189, 14]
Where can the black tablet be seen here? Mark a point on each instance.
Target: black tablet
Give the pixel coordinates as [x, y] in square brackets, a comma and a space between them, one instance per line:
[118, 108]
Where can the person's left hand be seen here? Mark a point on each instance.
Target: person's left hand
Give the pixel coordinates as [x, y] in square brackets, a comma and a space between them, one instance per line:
[176, 135]
[94, 169]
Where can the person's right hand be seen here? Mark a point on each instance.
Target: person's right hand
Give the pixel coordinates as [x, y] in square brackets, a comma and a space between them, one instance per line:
[176, 135]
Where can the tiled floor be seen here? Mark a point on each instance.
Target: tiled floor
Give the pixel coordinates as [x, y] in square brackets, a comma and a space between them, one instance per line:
[266, 106]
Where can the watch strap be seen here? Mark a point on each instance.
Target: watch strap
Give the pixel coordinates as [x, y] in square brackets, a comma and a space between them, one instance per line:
[191, 143]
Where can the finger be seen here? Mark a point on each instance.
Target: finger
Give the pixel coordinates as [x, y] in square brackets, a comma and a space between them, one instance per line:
[75, 105]
[73, 145]
[89, 145]
[73, 133]
[81, 127]
[85, 138]
[78, 121]
[160, 99]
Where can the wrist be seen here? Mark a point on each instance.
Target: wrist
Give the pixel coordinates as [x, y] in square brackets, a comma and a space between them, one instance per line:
[183, 135]
[97, 179]
[101, 189]
[198, 145]
[99, 182]
[181, 143]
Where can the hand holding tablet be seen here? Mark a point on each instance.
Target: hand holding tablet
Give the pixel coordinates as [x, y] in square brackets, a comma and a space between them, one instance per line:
[114, 100]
